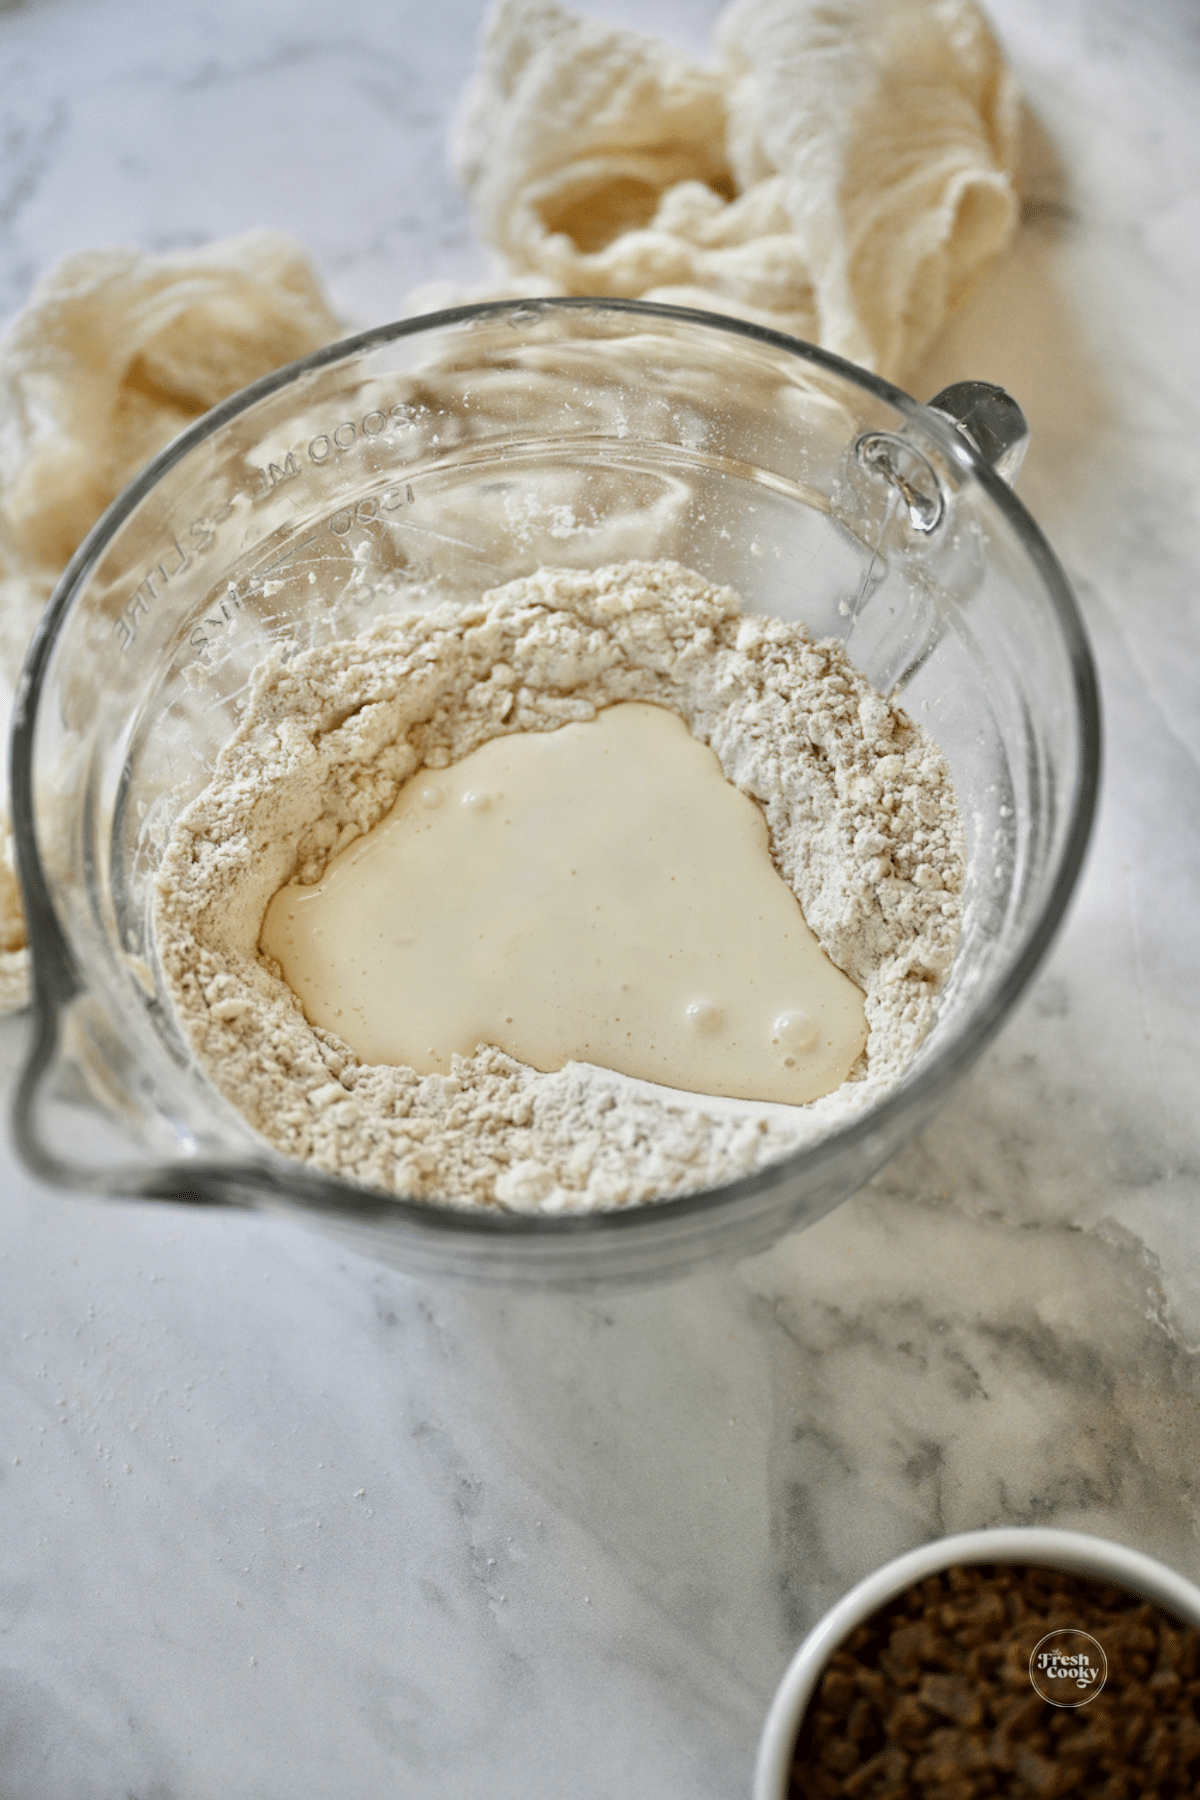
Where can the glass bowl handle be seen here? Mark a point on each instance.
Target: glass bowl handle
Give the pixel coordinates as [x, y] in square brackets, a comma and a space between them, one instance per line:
[990, 420]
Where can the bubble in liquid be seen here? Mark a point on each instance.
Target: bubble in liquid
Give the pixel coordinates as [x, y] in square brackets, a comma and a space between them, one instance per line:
[702, 1015]
[794, 1030]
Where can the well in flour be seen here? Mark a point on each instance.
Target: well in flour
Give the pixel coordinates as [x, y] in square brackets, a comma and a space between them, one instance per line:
[859, 804]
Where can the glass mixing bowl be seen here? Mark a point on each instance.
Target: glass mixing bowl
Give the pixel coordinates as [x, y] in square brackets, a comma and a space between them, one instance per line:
[427, 461]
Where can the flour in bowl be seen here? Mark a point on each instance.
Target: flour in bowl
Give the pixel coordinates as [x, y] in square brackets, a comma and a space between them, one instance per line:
[858, 801]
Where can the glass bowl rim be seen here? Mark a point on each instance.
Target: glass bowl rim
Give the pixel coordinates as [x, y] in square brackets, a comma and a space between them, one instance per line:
[56, 979]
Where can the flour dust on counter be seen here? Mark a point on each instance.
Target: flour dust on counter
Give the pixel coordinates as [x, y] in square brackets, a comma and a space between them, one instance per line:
[861, 823]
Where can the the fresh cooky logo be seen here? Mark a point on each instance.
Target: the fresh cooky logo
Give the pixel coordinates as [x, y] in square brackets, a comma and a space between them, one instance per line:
[1068, 1668]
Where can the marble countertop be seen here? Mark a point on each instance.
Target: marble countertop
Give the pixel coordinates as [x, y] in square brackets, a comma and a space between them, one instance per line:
[275, 1521]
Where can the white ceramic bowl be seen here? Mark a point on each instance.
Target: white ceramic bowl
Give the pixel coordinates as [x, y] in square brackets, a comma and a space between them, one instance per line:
[1074, 1551]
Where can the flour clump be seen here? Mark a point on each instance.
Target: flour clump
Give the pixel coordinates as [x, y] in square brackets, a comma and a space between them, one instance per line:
[858, 801]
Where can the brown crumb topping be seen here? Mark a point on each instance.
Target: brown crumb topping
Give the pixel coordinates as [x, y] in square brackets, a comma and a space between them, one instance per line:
[931, 1698]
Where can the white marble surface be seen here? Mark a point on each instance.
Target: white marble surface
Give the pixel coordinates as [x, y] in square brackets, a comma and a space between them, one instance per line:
[276, 1522]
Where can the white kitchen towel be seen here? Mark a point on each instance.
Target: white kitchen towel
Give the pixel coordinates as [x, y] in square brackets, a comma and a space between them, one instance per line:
[842, 172]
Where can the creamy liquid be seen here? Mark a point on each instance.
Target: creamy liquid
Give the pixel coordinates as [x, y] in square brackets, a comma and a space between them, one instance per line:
[599, 893]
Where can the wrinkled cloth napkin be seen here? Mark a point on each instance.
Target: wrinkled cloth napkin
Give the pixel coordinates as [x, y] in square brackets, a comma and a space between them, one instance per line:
[842, 172]
[114, 354]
